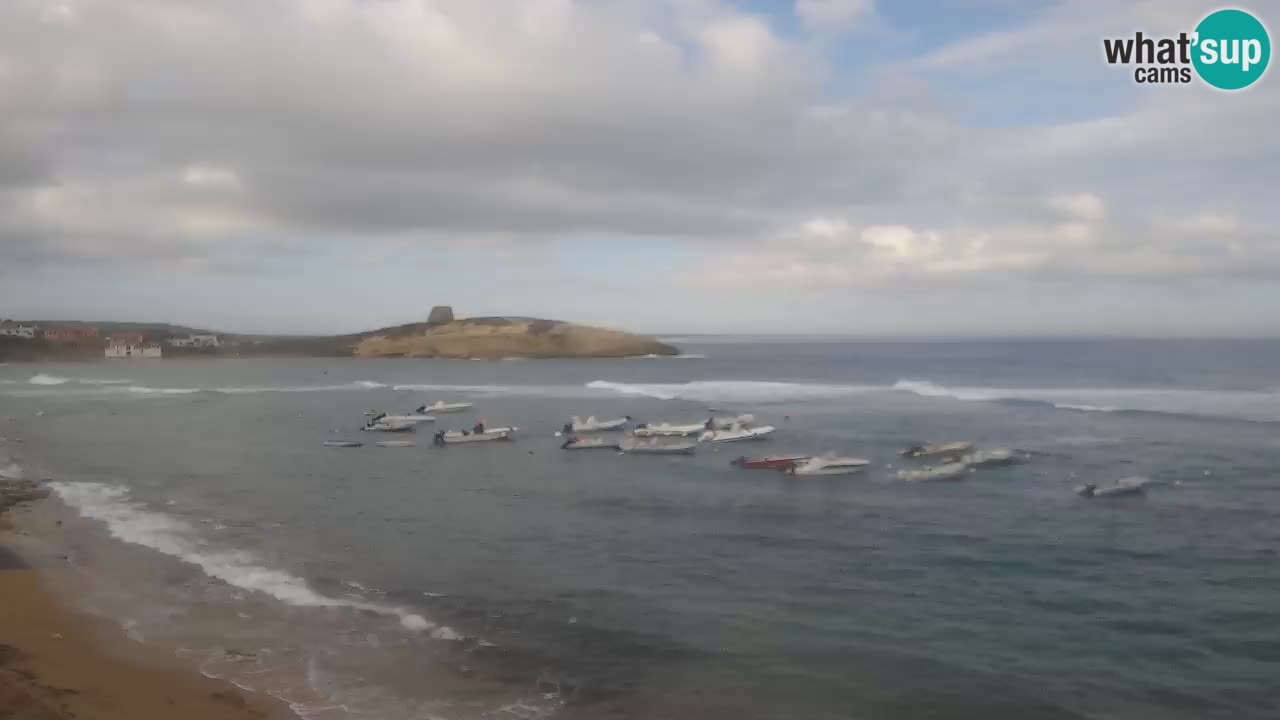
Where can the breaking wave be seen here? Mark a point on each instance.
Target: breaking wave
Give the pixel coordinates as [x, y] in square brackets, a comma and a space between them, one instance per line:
[733, 390]
[1258, 406]
[132, 523]
[43, 379]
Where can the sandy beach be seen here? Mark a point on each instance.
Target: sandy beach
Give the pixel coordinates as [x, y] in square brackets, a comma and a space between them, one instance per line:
[57, 664]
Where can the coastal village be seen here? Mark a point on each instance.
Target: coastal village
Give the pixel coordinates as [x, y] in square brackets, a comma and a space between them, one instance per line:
[117, 345]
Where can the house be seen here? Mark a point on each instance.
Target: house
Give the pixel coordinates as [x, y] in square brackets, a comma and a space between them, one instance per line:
[116, 349]
[195, 341]
[126, 338]
[71, 334]
[209, 341]
[8, 328]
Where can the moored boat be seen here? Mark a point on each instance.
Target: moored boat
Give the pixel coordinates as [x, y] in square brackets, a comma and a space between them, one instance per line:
[829, 465]
[600, 442]
[768, 462]
[987, 458]
[668, 429]
[654, 446]
[946, 471]
[395, 443]
[441, 406]
[724, 422]
[591, 424]
[1125, 486]
[384, 426]
[736, 433]
[453, 437]
[938, 450]
[413, 418]
[343, 443]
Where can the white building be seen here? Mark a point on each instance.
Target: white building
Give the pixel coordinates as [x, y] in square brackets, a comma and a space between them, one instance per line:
[130, 350]
[195, 341]
[18, 330]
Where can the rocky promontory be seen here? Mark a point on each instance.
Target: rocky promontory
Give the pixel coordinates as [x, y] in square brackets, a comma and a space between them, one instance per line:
[500, 337]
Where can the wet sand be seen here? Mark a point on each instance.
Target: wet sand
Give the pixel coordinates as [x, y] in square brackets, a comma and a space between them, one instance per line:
[56, 664]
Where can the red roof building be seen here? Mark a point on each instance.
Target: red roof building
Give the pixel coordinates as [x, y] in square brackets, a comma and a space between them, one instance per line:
[71, 334]
[127, 338]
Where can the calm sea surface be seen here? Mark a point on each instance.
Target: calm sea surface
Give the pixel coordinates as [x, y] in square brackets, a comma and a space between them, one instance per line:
[516, 580]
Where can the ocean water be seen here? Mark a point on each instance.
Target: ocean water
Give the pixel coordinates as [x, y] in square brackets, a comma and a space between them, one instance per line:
[515, 580]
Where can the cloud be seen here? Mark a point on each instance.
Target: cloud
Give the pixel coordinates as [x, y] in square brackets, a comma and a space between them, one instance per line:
[186, 133]
[1079, 206]
[835, 15]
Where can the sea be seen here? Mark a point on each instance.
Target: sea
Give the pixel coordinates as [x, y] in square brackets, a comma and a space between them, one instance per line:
[197, 503]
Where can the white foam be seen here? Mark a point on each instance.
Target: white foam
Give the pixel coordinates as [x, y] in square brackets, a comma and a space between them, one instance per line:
[143, 390]
[42, 379]
[254, 389]
[132, 523]
[104, 381]
[734, 390]
[1234, 404]
[12, 471]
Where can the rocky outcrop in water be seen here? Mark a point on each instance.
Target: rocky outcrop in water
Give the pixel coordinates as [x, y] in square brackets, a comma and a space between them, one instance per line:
[501, 337]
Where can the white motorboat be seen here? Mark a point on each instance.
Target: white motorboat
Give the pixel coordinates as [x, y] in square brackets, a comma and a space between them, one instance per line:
[414, 418]
[947, 471]
[343, 443]
[384, 426]
[591, 424]
[654, 446]
[1126, 486]
[736, 433]
[668, 429]
[987, 458]
[453, 437]
[441, 406]
[938, 450]
[829, 465]
[725, 422]
[602, 442]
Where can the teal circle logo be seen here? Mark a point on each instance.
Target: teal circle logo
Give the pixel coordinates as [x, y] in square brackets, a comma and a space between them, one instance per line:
[1232, 49]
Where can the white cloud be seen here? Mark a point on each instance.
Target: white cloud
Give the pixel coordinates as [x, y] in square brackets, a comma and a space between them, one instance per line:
[1082, 206]
[211, 176]
[835, 15]
[169, 130]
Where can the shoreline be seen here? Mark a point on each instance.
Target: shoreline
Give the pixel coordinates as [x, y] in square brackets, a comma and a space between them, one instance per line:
[59, 663]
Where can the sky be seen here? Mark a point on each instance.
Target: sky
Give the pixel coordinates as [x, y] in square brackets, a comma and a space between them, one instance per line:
[918, 168]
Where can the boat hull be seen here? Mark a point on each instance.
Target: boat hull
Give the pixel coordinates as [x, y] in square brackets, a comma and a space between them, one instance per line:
[487, 436]
[410, 418]
[590, 445]
[802, 471]
[721, 436]
[938, 450]
[769, 463]
[950, 471]
[382, 427]
[686, 448]
[447, 408]
[668, 430]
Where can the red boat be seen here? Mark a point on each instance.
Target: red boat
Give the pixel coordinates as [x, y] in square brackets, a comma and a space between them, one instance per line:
[769, 462]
